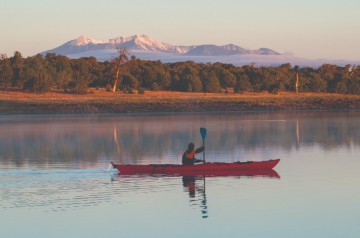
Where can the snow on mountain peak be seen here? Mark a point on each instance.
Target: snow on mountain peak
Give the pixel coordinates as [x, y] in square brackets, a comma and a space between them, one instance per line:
[141, 42]
[84, 40]
[144, 46]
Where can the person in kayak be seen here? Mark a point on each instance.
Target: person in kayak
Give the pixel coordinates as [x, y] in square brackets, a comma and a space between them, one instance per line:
[188, 157]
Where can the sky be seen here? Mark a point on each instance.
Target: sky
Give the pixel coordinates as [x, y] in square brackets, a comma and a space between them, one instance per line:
[314, 29]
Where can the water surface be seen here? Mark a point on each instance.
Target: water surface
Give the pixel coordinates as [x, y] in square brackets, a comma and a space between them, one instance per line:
[55, 182]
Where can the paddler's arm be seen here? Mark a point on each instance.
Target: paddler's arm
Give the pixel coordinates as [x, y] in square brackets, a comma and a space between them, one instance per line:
[199, 150]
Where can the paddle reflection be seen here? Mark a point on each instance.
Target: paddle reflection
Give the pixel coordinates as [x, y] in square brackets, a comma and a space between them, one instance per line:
[193, 185]
[189, 182]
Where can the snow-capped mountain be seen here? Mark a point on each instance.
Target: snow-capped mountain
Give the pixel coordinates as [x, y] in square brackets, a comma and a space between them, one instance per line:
[79, 45]
[84, 40]
[147, 48]
[146, 43]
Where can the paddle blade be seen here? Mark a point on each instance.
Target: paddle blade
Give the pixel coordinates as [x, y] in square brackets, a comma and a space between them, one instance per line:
[203, 132]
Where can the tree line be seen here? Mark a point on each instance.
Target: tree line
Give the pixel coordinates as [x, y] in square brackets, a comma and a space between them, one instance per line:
[44, 73]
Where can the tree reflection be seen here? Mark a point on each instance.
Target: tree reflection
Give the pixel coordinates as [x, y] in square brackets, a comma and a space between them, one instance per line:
[138, 138]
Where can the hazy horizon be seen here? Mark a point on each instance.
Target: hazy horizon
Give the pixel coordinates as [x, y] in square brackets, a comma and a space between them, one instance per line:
[310, 29]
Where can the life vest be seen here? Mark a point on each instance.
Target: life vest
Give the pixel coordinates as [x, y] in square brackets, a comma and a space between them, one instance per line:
[188, 158]
[190, 155]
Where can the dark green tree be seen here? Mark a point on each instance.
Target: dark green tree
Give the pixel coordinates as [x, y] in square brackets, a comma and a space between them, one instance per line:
[17, 63]
[354, 80]
[6, 72]
[129, 81]
[36, 76]
[81, 76]
[243, 85]
[189, 80]
[317, 84]
[59, 69]
[210, 82]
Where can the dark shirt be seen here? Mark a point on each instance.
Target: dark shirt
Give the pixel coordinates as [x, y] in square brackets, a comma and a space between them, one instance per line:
[188, 158]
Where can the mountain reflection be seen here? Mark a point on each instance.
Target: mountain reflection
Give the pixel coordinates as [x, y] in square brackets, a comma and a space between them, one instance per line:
[160, 138]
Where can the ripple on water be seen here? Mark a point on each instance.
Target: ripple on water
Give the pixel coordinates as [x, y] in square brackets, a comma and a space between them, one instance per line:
[54, 190]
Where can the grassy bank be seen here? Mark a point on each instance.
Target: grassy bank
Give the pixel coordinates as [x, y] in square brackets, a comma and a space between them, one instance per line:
[14, 102]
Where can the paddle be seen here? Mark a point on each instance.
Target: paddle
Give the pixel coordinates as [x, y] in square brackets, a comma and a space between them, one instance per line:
[203, 135]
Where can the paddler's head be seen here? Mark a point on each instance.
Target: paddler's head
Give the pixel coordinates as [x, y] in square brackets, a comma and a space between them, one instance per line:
[191, 147]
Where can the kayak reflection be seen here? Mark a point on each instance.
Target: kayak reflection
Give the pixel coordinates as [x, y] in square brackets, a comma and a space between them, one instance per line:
[195, 183]
[190, 173]
[269, 173]
[193, 186]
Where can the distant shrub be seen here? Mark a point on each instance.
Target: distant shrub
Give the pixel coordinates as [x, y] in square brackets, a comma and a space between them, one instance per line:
[155, 87]
[141, 91]
[274, 91]
[108, 88]
[127, 90]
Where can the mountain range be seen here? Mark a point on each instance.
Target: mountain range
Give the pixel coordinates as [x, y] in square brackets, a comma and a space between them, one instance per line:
[148, 44]
[147, 48]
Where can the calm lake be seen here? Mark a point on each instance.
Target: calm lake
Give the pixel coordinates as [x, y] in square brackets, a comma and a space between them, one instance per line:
[55, 182]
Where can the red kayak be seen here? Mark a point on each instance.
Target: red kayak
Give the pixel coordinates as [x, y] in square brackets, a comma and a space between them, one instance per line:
[250, 168]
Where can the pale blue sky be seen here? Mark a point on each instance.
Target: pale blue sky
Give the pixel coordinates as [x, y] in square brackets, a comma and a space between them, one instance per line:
[309, 28]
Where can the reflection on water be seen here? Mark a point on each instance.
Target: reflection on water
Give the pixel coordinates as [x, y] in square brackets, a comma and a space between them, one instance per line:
[54, 178]
[189, 182]
[163, 138]
[54, 190]
[63, 190]
[193, 187]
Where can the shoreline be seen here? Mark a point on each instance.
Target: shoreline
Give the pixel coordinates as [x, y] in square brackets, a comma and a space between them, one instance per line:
[100, 102]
